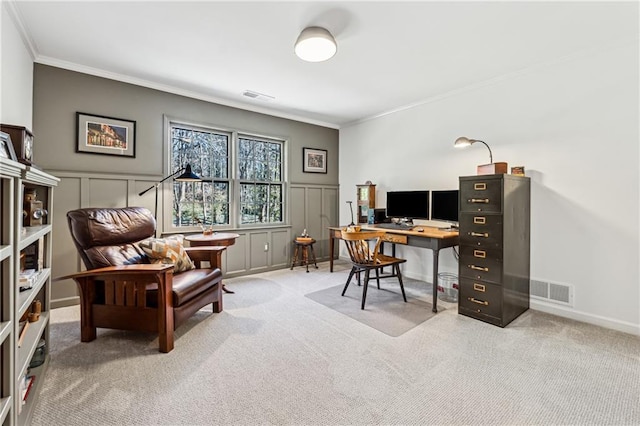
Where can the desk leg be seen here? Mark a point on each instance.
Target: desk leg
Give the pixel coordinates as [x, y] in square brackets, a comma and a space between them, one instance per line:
[332, 241]
[435, 280]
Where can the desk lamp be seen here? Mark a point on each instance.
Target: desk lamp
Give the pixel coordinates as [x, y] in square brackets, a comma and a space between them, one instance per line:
[484, 169]
[351, 210]
[187, 176]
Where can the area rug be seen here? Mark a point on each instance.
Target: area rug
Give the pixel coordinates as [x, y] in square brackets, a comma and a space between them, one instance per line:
[385, 310]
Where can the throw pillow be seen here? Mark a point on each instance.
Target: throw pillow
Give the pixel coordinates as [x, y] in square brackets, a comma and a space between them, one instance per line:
[167, 250]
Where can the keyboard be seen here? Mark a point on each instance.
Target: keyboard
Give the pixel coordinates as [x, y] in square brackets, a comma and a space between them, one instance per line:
[394, 226]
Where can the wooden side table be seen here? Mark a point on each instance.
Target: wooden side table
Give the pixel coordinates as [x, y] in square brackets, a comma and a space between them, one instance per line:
[303, 248]
[222, 239]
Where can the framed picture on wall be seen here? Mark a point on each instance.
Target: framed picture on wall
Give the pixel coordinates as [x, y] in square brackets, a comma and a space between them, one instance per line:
[314, 160]
[98, 134]
[6, 147]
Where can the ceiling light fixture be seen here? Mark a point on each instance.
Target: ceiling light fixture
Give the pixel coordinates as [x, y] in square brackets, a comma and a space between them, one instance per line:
[315, 44]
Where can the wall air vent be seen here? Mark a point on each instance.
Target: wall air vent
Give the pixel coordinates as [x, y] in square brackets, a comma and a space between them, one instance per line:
[255, 95]
[551, 292]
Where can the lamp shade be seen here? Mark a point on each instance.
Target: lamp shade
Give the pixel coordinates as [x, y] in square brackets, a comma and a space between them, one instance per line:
[188, 175]
[463, 141]
[315, 44]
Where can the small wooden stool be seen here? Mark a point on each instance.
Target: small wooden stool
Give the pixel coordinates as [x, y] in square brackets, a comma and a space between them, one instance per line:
[303, 248]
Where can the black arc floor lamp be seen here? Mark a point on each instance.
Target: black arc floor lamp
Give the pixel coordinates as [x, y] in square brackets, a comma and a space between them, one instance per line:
[186, 176]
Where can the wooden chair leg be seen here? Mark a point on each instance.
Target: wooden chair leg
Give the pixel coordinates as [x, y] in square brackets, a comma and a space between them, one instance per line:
[364, 287]
[313, 255]
[397, 267]
[295, 257]
[353, 271]
[378, 277]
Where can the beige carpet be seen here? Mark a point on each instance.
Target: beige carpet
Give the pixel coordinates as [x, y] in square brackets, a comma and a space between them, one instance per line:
[385, 310]
[276, 357]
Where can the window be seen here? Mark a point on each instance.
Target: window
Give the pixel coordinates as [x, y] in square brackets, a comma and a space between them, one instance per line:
[207, 152]
[242, 184]
[260, 176]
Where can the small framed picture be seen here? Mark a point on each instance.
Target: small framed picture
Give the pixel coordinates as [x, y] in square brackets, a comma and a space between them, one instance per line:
[98, 134]
[6, 147]
[314, 160]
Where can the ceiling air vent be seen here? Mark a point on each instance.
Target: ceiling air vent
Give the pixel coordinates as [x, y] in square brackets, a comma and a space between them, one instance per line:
[255, 95]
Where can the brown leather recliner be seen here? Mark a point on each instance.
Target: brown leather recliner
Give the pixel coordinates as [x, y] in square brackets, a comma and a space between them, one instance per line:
[122, 290]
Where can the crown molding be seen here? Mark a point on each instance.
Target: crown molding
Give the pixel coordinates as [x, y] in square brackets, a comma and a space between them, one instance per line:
[72, 66]
[25, 35]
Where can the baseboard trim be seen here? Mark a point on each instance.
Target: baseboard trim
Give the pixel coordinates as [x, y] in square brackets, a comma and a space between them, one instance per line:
[561, 311]
[64, 302]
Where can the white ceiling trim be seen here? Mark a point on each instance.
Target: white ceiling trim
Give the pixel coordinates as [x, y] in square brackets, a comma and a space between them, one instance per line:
[17, 19]
[175, 90]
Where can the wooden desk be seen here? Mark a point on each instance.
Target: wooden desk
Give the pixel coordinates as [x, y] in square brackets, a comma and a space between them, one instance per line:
[223, 239]
[431, 238]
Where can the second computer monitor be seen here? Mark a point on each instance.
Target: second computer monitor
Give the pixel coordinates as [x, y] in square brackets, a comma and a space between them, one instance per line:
[445, 205]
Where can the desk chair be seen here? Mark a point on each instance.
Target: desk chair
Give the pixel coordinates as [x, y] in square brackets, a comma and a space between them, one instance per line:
[365, 259]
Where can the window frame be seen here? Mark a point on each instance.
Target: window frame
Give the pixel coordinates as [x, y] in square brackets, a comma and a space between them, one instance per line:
[239, 182]
[233, 179]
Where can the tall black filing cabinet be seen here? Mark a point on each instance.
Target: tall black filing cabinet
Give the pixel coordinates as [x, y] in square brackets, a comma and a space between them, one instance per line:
[494, 247]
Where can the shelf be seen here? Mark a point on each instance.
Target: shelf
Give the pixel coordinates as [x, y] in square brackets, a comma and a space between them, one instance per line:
[5, 252]
[31, 234]
[5, 329]
[29, 344]
[24, 418]
[5, 406]
[26, 297]
[37, 176]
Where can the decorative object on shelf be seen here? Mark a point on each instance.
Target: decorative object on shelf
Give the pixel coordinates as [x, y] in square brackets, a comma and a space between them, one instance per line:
[36, 310]
[315, 44]
[187, 176]
[484, 169]
[314, 160]
[33, 210]
[22, 140]
[97, 134]
[366, 200]
[517, 171]
[6, 147]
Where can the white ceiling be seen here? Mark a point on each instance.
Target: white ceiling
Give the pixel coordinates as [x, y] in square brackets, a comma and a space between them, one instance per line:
[390, 54]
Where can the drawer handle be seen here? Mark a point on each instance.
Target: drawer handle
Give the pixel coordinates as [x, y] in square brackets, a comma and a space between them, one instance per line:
[479, 234]
[480, 253]
[479, 302]
[479, 220]
[479, 268]
[480, 186]
[478, 287]
[478, 200]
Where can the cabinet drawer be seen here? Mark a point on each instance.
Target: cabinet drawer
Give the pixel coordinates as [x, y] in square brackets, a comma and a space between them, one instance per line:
[481, 195]
[480, 297]
[481, 264]
[394, 238]
[481, 230]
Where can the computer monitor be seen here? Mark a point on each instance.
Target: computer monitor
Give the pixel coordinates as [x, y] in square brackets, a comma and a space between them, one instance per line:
[445, 205]
[408, 204]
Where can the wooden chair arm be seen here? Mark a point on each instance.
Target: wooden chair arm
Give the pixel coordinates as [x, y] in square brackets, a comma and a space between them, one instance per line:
[211, 254]
[115, 272]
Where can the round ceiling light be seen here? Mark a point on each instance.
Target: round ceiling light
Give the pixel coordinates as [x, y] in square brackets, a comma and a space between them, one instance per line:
[315, 44]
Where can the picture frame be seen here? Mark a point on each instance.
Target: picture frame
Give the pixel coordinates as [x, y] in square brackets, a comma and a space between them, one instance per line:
[6, 147]
[314, 160]
[99, 134]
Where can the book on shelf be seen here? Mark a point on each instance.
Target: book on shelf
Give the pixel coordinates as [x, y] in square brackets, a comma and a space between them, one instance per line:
[28, 383]
[27, 278]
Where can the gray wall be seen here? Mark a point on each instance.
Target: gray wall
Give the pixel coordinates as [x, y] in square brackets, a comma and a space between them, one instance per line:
[89, 180]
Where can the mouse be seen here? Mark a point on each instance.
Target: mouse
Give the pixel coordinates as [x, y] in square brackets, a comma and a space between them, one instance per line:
[419, 229]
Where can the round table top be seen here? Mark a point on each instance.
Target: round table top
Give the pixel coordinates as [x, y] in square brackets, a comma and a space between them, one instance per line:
[213, 239]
